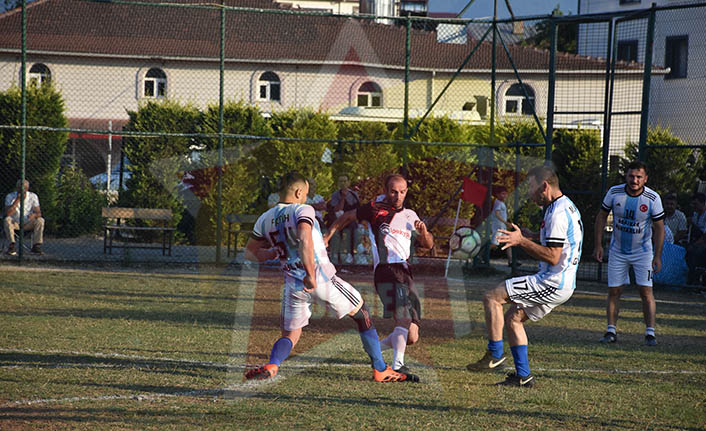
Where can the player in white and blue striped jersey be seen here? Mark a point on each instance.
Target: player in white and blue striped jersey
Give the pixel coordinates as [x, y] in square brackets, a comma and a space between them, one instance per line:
[533, 296]
[638, 237]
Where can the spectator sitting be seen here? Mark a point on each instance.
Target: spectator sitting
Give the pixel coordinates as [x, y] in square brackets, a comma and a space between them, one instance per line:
[675, 219]
[342, 200]
[32, 217]
[696, 250]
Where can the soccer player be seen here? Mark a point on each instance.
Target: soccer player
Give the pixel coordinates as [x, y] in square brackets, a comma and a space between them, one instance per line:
[533, 296]
[392, 230]
[289, 231]
[637, 223]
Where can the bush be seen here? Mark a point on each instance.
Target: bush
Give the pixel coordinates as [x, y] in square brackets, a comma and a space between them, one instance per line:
[79, 209]
[45, 107]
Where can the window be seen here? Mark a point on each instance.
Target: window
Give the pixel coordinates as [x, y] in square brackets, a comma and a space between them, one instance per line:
[515, 101]
[268, 87]
[369, 95]
[627, 50]
[155, 83]
[676, 56]
[39, 73]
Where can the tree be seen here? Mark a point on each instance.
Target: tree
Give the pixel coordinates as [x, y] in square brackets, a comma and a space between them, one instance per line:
[566, 35]
[45, 107]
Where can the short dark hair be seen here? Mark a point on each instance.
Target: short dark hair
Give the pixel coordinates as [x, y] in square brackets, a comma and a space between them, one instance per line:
[670, 197]
[636, 165]
[289, 179]
[700, 197]
[544, 173]
[394, 177]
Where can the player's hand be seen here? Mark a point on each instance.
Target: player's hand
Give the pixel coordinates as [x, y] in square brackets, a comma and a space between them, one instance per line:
[326, 239]
[309, 284]
[657, 264]
[420, 227]
[598, 254]
[510, 238]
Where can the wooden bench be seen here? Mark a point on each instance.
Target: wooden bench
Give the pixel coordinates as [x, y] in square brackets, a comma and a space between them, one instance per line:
[111, 230]
[242, 220]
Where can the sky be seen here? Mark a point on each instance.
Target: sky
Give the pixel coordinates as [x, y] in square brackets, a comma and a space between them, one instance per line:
[484, 8]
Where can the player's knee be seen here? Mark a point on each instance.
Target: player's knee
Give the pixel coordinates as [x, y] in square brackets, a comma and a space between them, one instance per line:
[362, 318]
[513, 316]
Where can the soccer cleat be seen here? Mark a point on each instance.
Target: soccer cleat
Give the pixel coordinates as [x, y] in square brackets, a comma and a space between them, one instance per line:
[486, 363]
[410, 377]
[650, 340]
[609, 337]
[513, 379]
[266, 371]
[389, 375]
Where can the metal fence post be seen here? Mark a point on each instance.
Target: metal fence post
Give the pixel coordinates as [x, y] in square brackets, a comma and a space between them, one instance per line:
[23, 108]
[551, 92]
[405, 125]
[219, 203]
[646, 81]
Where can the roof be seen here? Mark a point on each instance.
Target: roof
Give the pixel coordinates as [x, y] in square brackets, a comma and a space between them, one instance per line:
[81, 27]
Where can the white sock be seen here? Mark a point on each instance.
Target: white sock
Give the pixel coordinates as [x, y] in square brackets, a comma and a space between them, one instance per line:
[398, 339]
[612, 328]
[385, 343]
[650, 331]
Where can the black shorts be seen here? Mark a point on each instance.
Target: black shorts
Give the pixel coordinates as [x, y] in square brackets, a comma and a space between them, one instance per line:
[395, 287]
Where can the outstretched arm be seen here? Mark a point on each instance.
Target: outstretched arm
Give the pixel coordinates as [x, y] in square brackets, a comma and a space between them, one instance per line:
[512, 238]
[425, 239]
[347, 218]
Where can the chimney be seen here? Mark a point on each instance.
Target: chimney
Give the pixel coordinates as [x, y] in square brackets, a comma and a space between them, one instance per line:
[518, 28]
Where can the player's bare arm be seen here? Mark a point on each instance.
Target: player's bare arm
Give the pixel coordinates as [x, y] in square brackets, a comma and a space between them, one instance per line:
[258, 250]
[344, 220]
[601, 220]
[658, 239]
[425, 239]
[306, 252]
[512, 238]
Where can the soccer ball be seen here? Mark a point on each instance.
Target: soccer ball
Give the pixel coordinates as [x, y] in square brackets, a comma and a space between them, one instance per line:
[464, 243]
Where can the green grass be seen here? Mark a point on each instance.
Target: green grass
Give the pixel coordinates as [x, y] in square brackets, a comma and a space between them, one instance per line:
[94, 350]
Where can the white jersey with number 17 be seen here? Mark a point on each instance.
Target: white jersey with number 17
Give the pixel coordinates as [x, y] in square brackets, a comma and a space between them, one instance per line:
[278, 226]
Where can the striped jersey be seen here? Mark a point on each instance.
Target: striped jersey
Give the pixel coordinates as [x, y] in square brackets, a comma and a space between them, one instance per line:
[278, 226]
[632, 218]
[391, 231]
[561, 227]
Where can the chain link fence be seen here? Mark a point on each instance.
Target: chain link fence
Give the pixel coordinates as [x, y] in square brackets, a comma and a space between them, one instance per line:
[196, 110]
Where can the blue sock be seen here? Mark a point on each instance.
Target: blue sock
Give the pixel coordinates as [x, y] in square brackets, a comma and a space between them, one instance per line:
[496, 348]
[519, 353]
[280, 351]
[371, 344]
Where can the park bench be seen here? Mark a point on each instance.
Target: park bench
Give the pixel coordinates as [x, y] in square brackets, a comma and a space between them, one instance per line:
[245, 224]
[114, 228]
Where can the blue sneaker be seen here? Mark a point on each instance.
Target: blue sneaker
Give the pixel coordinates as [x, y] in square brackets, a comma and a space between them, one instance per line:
[650, 340]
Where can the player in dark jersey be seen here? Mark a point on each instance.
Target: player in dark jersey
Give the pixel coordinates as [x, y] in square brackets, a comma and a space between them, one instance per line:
[392, 230]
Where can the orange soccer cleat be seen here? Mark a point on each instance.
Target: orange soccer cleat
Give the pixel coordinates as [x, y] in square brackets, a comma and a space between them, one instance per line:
[389, 375]
[266, 371]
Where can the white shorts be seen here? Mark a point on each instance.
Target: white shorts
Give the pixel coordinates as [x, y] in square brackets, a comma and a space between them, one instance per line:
[338, 295]
[534, 296]
[619, 265]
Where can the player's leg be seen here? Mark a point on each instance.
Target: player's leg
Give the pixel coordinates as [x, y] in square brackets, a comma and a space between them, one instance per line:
[10, 227]
[618, 267]
[344, 300]
[493, 302]
[295, 314]
[643, 279]
[517, 337]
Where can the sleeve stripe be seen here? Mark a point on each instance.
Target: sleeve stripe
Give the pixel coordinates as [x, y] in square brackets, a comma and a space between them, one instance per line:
[554, 238]
[255, 236]
[658, 218]
[554, 244]
[605, 208]
[307, 220]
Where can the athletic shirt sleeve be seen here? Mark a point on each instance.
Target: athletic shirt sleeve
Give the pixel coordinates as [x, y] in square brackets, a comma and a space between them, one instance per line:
[657, 209]
[607, 204]
[556, 233]
[258, 231]
[305, 214]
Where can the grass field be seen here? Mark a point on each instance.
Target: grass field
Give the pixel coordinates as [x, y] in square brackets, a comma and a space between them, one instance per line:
[94, 350]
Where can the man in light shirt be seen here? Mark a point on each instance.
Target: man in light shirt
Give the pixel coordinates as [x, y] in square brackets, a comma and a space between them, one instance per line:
[32, 217]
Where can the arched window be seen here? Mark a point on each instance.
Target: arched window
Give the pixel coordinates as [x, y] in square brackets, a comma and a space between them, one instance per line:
[39, 73]
[269, 87]
[515, 101]
[369, 94]
[155, 83]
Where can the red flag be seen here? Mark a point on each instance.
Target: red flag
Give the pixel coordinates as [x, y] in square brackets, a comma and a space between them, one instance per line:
[474, 192]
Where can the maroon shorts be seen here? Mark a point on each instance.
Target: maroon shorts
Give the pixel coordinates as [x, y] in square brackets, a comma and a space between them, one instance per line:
[395, 287]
